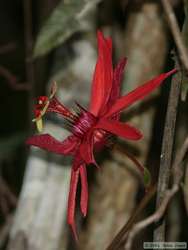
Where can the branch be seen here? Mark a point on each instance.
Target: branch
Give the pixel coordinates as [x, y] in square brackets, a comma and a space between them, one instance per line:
[7, 48]
[185, 191]
[12, 80]
[8, 199]
[28, 39]
[122, 234]
[153, 218]
[177, 177]
[5, 231]
[167, 147]
[173, 24]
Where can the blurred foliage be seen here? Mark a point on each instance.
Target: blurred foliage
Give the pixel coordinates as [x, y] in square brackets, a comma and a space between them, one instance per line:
[67, 18]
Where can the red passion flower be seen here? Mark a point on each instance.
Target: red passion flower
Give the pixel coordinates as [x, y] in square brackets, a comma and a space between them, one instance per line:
[91, 128]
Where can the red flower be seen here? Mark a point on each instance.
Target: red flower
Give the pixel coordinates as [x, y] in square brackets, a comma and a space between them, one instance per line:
[91, 128]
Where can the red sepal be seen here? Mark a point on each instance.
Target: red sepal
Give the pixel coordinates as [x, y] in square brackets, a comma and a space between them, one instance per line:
[72, 201]
[84, 190]
[47, 142]
[138, 94]
[120, 129]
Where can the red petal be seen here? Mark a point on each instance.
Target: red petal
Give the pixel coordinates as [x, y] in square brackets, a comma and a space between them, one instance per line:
[121, 129]
[115, 92]
[102, 79]
[72, 200]
[138, 93]
[84, 190]
[49, 143]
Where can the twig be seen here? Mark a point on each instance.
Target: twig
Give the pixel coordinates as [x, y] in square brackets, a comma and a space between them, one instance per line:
[12, 80]
[185, 191]
[7, 48]
[173, 24]
[167, 147]
[153, 218]
[7, 201]
[122, 234]
[177, 176]
[20, 242]
[7, 198]
[28, 33]
[177, 172]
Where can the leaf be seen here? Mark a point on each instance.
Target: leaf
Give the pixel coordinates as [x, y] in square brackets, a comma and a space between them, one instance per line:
[67, 18]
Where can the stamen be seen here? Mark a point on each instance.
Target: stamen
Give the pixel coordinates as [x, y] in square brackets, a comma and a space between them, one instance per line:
[57, 107]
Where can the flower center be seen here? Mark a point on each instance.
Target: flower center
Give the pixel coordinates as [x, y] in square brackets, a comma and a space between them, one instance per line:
[84, 121]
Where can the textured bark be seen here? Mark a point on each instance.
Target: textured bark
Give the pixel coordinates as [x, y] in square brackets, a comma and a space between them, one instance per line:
[184, 95]
[176, 213]
[186, 190]
[113, 197]
[40, 215]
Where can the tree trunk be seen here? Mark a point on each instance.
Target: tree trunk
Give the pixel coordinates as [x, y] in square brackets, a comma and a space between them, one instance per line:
[113, 197]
